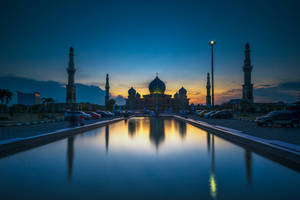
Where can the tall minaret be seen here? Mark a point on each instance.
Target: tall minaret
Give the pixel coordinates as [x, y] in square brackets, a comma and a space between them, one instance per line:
[208, 97]
[107, 90]
[247, 68]
[71, 90]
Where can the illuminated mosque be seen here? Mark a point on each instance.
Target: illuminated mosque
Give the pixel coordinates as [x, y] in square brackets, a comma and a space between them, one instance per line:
[157, 99]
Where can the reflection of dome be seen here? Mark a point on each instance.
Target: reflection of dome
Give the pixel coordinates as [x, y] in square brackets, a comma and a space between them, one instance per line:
[131, 91]
[157, 86]
[182, 91]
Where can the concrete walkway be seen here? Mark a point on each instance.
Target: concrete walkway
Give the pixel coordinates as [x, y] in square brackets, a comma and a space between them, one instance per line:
[284, 134]
[33, 130]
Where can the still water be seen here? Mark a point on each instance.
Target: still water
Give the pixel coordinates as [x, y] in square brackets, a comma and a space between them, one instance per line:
[145, 158]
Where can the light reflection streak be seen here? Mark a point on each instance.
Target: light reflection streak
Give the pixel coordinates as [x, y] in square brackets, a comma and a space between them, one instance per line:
[212, 178]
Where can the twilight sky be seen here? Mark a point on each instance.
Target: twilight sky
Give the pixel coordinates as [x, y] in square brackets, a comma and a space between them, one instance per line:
[132, 40]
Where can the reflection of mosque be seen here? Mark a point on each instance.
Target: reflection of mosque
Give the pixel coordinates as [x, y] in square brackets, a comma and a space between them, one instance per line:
[156, 128]
[70, 155]
[181, 127]
[157, 99]
[133, 126]
[157, 131]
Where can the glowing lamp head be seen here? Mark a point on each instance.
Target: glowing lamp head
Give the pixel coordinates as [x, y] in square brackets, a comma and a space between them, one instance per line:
[212, 42]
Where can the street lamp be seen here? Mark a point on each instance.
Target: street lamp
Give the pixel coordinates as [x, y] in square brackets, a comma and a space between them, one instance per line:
[212, 43]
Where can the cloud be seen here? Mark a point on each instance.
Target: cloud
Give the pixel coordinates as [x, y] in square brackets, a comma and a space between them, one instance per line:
[285, 91]
[56, 90]
[264, 86]
[120, 100]
[227, 95]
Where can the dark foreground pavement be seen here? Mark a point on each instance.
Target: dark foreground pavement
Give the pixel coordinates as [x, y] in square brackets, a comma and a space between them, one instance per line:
[284, 134]
[27, 131]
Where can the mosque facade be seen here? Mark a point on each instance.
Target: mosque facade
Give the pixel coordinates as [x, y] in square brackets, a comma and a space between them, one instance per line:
[157, 99]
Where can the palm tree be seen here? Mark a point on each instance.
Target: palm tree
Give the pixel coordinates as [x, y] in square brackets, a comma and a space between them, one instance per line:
[47, 101]
[2, 95]
[50, 100]
[5, 96]
[8, 96]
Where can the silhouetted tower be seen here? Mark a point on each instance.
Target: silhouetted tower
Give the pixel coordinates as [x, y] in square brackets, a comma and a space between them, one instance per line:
[71, 89]
[208, 97]
[247, 68]
[107, 91]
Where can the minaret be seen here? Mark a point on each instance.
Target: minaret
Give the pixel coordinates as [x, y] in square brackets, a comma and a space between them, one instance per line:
[247, 68]
[71, 90]
[107, 91]
[208, 97]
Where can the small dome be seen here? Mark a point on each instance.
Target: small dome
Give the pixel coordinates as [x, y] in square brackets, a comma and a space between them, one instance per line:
[182, 91]
[131, 91]
[157, 86]
[138, 95]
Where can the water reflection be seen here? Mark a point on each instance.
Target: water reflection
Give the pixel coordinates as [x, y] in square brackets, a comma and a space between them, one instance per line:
[212, 178]
[133, 127]
[208, 142]
[106, 138]
[70, 156]
[157, 131]
[248, 162]
[183, 169]
[182, 129]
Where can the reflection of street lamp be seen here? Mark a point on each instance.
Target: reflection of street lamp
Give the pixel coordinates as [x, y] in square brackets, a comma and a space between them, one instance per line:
[212, 43]
[212, 178]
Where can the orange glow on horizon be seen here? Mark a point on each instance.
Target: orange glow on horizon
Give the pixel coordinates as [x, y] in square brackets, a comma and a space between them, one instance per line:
[197, 95]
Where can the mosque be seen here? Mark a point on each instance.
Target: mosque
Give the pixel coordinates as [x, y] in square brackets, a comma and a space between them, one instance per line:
[157, 99]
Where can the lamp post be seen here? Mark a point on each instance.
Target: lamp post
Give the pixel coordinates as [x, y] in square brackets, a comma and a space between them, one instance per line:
[212, 43]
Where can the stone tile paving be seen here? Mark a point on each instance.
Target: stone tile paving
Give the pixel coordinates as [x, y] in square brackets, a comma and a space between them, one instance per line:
[32, 130]
[285, 134]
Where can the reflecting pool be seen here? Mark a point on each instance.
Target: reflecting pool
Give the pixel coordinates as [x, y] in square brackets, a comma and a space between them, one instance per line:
[145, 158]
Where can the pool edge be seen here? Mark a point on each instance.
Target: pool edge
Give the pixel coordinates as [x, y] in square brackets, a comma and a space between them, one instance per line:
[261, 147]
[18, 145]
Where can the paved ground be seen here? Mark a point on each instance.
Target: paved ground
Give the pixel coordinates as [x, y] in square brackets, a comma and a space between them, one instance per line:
[285, 134]
[26, 131]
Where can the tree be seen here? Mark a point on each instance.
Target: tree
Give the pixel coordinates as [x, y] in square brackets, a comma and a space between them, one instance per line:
[2, 95]
[8, 96]
[110, 104]
[47, 101]
[5, 97]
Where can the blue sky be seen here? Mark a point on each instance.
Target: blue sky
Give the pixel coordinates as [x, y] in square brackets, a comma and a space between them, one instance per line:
[132, 40]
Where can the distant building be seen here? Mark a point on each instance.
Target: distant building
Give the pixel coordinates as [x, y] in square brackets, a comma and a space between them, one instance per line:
[208, 97]
[29, 99]
[236, 104]
[157, 99]
[71, 89]
[107, 91]
[247, 68]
